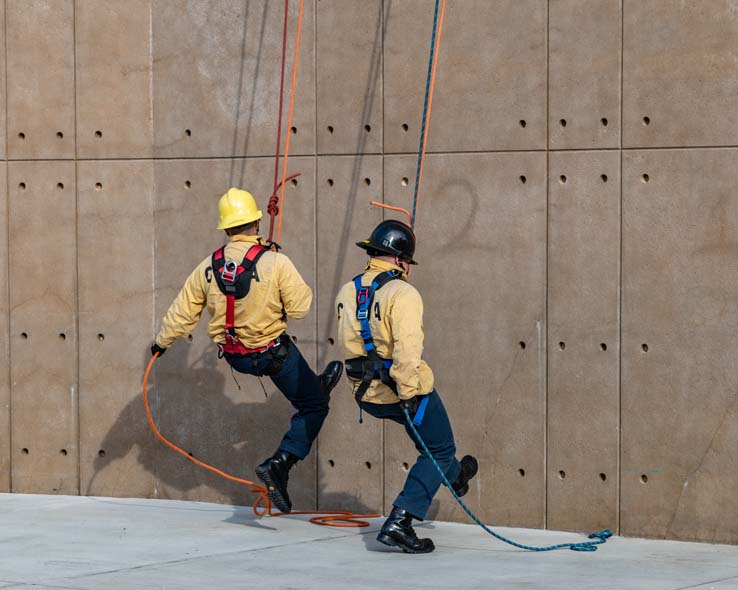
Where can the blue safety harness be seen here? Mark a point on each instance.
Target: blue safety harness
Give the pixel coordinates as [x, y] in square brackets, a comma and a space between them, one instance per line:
[370, 367]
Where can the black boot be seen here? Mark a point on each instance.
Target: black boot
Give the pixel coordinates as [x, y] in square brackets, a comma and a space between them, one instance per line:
[275, 472]
[469, 468]
[331, 376]
[397, 531]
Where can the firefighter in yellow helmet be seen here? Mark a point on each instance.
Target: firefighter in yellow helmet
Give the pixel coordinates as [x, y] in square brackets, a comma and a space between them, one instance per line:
[249, 292]
[380, 330]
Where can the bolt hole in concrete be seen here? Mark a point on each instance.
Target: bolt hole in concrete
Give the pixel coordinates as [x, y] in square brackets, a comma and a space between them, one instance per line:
[368, 128]
[562, 179]
[21, 135]
[330, 129]
[367, 181]
[562, 474]
[101, 337]
[368, 465]
[562, 122]
[98, 186]
[404, 181]
[188, 132]
[603, 177]
[22, 186]
[646, 121]
[604, 122]
[293, 182]
[293, 130]
[60, 186]
[60, 135]
[521, 472]
[330, 182]
[645, 178]
[189, 337]
[562, 345]
[63, 452]
[521, 344]
[406, 466]
[101, 453]
[405, 127]
[24, 451]
[24, 335]
[331, 462]
[188, 184]
[98, 134]
[294, 339]
[603, 477]
[603, 347]
[523, 179]
[523, 123]
[331, 341]
[644, 347]
[62, 336]
[644, 478]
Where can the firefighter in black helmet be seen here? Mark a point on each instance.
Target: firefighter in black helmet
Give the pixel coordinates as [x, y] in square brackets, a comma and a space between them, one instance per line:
[380, 332]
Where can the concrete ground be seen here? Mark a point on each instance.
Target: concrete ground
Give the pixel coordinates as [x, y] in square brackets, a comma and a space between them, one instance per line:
[55, 542]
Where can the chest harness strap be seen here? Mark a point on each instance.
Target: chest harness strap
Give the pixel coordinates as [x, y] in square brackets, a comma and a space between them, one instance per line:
[234, 281]
[372, 366]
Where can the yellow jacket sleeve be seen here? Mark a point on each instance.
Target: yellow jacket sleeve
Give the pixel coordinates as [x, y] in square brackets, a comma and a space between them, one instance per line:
[296, 295]
[185, 311]
[406, 320]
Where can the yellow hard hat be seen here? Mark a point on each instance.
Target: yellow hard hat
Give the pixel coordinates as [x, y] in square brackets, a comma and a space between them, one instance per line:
[237, 207]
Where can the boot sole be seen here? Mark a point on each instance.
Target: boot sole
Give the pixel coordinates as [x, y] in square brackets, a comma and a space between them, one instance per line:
[390, 542]
[272, 490]
[330, 386]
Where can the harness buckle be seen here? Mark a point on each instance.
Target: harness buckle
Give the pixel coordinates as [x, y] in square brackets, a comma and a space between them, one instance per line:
[362, 314]
[230, 270]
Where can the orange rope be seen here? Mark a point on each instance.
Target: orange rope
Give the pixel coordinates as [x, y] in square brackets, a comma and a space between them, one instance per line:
[393, 208]
[334, 518]
[430, 100]
[288, 130]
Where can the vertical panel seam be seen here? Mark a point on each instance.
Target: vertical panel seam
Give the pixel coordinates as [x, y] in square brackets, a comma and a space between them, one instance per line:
[618, 501]
[316, 331]
[76, 253]
[7, 257]
[546, 303]
[383, 469]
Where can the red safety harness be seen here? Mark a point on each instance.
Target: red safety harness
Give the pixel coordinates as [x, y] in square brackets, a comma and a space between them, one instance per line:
[234, 281]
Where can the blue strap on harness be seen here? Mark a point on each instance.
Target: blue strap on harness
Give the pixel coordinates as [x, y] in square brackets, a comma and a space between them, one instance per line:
[418, 419]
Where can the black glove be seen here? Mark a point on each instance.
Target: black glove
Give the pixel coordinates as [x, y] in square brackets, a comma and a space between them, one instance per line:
[412, 404]
[156, 348]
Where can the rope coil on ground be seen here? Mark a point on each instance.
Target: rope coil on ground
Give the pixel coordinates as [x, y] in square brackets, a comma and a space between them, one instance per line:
[262, 505]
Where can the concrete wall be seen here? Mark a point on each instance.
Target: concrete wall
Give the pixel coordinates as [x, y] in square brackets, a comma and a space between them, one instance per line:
[578, 231]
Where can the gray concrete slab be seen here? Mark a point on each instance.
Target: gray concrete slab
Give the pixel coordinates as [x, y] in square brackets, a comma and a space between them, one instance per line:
[72, 543]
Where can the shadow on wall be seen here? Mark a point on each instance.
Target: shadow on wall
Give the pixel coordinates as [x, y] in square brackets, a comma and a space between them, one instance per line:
[192, 409]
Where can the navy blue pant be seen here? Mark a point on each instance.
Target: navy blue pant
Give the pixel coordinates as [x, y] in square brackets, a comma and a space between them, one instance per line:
[300, 386]
[423, 481]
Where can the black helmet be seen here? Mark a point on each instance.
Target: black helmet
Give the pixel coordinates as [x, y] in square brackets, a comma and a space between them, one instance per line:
[391, 238]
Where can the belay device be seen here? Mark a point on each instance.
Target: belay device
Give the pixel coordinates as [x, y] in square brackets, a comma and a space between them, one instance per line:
[234, 281]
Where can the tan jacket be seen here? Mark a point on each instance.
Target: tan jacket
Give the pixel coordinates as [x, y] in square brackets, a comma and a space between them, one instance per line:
[277, 292]
[398, 334]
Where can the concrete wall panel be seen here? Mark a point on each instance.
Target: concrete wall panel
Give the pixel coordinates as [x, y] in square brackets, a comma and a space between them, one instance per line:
[584, 73]
[43, 314]
[680, 73]
[216, 78]
[114, 118]
[349, 75]
[583, 340]
[5, 455]
[40, 70]
[350, 460]
[116, 296]
[484, 323]
[199, 405]
[491, 81]
[680, 341]
[3, 87]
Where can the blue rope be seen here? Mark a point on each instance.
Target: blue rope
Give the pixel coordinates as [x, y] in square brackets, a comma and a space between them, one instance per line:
[601, 537]
[425, 112]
